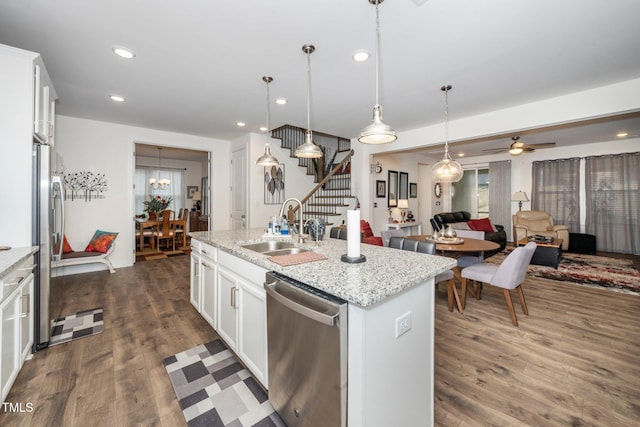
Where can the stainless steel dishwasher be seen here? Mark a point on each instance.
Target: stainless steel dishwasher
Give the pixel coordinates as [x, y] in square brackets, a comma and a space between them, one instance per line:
[307, 341]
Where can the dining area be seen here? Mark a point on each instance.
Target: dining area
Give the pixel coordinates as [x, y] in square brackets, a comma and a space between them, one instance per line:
[161, 231]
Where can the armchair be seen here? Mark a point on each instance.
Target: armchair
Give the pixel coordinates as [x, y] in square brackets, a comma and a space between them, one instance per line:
[529, 223]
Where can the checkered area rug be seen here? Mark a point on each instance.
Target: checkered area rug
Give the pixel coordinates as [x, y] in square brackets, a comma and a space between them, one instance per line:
[214, 389]
[78, 325]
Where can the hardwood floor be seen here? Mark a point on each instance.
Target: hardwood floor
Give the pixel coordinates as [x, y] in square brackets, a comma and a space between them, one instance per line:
[575, 360]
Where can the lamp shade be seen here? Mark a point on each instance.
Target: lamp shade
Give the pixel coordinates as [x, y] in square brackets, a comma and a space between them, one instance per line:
[377, 132]
[196, 196]
[403, 204]
[519, 196]
[447, 170]
[309, 149]
[267, 158]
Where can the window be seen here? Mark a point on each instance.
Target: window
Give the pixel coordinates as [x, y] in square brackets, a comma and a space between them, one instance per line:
[143, 190]
[471, 193]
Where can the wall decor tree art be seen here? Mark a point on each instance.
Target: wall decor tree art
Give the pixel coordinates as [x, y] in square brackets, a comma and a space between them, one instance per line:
[85, 185]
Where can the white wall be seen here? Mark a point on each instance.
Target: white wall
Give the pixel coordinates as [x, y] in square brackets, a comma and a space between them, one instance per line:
[297, 183]
[100, 147]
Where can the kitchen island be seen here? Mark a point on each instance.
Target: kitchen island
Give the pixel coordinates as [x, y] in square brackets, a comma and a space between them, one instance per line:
[390, 375]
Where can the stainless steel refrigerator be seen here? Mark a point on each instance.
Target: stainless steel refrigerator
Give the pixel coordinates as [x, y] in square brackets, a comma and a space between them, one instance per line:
[47, 233]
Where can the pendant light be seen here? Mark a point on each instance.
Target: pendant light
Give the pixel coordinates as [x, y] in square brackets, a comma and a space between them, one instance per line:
[160, 183]
[309, 149]
[267, 158]
[377, 132]
[447, 169]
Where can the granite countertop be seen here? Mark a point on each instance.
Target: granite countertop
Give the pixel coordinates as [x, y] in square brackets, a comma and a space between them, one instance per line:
[13, 257]
[386, 271]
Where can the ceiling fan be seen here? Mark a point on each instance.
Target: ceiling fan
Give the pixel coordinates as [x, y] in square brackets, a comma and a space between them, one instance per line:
[517, 147]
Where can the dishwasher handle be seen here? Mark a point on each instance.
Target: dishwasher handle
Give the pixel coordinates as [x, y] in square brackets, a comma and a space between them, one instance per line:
[326, 319]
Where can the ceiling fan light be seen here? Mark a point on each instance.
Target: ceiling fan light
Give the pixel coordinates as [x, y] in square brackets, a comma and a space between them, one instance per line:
[377, 132]
[308, 150]
[514, 151]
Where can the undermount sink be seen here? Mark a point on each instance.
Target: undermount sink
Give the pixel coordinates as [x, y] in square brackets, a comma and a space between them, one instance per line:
[287, 251]
[271, 245]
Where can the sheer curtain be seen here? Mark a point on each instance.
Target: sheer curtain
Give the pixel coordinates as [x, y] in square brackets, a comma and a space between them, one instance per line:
[613, 201]
[500, 194]
[144, 190]
[556, 190]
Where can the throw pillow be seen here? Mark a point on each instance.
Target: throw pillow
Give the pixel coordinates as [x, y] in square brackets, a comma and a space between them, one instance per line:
[101, 241]
[483, 224]
[66, 247]
[460, 226]
[365, 228]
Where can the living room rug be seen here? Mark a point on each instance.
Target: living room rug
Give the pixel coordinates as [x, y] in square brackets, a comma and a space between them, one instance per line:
[214, 389]
[589, 270]
[77, 325]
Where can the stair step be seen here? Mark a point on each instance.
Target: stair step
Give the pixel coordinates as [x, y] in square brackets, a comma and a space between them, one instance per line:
[333, 197]
[328, 204]
[309, 213]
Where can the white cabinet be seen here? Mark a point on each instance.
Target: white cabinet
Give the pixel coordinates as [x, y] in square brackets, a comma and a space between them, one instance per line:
[242, 312]
[194, 281]
[43, 104]
[208, 270]
[16, 324]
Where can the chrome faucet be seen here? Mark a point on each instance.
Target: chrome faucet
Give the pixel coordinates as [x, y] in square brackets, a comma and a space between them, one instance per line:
[301, 235]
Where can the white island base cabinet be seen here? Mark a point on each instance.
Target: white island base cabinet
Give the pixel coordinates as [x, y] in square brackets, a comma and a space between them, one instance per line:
[391, 378]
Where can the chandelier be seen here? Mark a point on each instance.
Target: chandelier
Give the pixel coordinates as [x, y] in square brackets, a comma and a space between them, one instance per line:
[160, 183]
[447, 169]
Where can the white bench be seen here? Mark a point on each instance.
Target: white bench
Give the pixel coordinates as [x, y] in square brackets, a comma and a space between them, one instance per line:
[80, 258]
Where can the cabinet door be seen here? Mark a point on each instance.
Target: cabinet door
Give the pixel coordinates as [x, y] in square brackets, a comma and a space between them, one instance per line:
[252, 329]
[194, 281]
[40, 104]
[25, 307]
[227, 303]
[9, 342]
[208, 283]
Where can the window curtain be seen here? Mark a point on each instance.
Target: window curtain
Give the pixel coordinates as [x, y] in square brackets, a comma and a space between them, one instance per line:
[613, 202]
[144, 190]
[556, 190]
[500, 194]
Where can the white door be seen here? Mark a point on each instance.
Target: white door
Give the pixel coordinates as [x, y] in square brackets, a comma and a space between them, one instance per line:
[239, 189]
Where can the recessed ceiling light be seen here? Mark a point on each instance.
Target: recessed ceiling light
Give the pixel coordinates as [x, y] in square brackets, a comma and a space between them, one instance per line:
[263, 128]
[460, 154]
[241, 124]
[117, 98]
[123, 52]
[360, 55]
[281, 101]
[621, 134]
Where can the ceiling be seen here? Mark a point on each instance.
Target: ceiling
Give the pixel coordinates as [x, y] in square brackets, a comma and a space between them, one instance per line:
[199, 64]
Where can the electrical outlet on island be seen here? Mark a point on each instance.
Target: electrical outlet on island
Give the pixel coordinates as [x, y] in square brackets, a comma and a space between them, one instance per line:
[403, 324]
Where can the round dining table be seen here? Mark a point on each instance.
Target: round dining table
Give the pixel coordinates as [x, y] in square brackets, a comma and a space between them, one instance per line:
[456, 250]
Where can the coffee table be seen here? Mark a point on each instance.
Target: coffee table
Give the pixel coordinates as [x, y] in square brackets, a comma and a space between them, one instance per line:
[547, 253]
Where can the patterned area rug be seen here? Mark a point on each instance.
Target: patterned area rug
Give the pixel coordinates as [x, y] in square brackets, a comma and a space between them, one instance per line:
[214, 389]
[589, 270]
[77, 325]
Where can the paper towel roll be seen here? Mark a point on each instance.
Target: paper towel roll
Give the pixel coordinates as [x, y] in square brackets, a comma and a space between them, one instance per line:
[353, 234]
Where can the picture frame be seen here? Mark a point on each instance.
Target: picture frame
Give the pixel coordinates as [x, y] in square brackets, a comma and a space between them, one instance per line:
[413, 190]
[381, 188]
[392, 193]
[190, 190]
[403, 186]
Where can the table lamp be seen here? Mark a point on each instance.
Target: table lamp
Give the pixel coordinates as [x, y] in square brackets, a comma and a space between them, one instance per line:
[519, 196]
[196, 198]
[403, 205]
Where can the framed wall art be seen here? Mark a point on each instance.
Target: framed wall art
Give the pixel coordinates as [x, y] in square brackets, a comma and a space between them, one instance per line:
[392, 193]
[403, 186]
[190, 190]
[381, 188]
[413, 190]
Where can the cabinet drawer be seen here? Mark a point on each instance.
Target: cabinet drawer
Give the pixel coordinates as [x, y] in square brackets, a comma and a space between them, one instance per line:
[11, 281]
[249, 271]
[209, 251]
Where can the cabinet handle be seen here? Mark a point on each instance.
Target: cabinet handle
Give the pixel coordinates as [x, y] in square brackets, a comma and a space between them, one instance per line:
[233, 297]
[26, 305]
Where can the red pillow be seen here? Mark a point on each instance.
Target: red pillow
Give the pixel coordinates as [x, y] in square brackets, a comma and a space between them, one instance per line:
[66, 247]
[101, 241]
[365, 228]
[483, 224]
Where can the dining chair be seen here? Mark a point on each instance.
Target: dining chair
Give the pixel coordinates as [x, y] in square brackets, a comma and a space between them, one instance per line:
[166, 231]
[388, 234]
[424, 247]
[508, 275]
[179, 229]
[470, 258]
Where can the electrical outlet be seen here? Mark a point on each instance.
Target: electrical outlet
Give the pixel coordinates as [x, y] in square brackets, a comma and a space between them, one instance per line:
[403, 324]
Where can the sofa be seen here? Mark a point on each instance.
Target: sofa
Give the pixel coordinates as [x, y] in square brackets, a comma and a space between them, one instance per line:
[462, 220]
[530, 223]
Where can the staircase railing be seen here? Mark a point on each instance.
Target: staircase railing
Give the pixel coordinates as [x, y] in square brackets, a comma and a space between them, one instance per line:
[329, 194]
